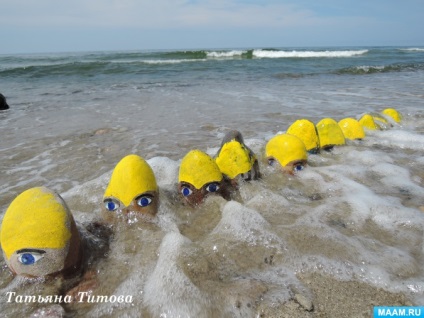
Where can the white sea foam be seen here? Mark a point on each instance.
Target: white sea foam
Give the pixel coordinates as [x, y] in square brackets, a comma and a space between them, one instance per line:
[85, 200]
[225, 54]
[246, 225]
[165, 170]
[168, 291]
[413, 49]
[306, 54]
[172, 61]
[368, 68]
[400, 139]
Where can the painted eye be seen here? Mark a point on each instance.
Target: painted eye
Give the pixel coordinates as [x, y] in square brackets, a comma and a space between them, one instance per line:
[185, 191]
[212, 187]
[111, 205]
[144, 201]
[271, 161]
[298, 167]
[29, 258]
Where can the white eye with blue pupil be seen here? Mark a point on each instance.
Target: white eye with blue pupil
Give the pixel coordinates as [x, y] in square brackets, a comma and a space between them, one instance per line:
[271, 162]
[29, 258]
[213, 187]
[111, 205]
[186, 191]
[298, 167]
[144, 201]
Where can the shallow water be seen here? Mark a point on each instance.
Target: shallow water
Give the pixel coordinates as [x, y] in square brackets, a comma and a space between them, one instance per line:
[353, 214]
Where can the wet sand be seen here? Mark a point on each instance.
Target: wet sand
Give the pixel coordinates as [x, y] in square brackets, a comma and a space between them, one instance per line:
[333, 298]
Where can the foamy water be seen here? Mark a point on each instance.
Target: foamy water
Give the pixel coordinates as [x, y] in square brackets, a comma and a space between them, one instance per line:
[353, 214]
[307, 54]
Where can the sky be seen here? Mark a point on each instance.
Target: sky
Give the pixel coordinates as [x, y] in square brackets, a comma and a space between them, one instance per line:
[43, 26]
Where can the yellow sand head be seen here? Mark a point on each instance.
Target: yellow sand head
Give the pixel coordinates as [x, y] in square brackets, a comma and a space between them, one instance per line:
[329, 133]
[393, 113]
[286, 148]
[352, 129]
[367, 121]
[37, 218]
[198, 168]
[234, 158]
[131, 177]
[305, 130]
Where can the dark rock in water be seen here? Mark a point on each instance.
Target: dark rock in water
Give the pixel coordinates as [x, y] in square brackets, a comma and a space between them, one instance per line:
[304, 302]
[232, 135]
[315, 197]
[3, 104]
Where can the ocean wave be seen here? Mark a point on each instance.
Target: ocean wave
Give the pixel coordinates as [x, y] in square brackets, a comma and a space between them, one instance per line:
[179, 55]
[171, 61]
[266, 53]
[413, 49]
[91, 64]
[305, 54]
[203, 54]
[59, 69]
[372, 69]
[88, 68]
[196, 55]
[226, 54]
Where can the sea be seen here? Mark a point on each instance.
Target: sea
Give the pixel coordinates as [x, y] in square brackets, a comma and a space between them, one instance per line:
[354, 214]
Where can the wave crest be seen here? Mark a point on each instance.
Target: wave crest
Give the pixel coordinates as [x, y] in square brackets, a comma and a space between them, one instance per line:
[225, 54]
[413, 49]
[306, 54]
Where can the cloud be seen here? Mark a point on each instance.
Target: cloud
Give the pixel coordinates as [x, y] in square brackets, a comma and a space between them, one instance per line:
[229, 14]
[51, 25]
[156, 14]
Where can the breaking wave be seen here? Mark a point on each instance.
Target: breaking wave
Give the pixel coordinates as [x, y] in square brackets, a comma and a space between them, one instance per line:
[306, 54]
